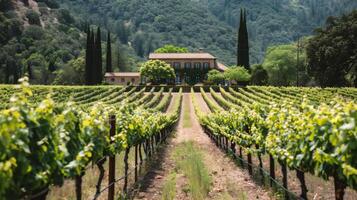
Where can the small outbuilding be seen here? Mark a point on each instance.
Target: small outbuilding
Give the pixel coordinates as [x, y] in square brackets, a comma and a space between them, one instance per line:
[123, 78]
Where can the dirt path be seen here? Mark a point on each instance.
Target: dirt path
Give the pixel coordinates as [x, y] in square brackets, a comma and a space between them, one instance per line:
[229, 181]
[172, 103]
[201, 102]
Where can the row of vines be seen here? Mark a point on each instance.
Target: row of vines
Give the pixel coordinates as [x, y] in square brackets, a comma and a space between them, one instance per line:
[305, 129]
[47, 136]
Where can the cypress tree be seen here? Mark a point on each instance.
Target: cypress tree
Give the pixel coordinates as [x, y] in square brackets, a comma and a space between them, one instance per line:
[98, 55]
[243, 42]
[93, 59]
[109, 55]
[89, 57]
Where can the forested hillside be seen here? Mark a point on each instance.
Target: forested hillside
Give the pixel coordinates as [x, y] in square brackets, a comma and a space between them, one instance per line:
[208, 24]
[278, 21]
[38, 38]
[46, 38]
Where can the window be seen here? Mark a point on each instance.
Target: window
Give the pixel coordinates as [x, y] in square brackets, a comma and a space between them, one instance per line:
[122, 80]
[187, 65]
[197, 65]
[206, 65]
[132, 80]
[177, 65]
[112, 79]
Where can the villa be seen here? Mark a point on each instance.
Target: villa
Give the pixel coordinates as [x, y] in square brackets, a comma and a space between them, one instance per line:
[189, 68]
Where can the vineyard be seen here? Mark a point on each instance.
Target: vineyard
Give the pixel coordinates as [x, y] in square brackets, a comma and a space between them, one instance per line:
[50, 134]
[304, 129]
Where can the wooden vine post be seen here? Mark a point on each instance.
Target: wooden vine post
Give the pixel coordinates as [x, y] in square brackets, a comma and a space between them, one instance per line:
[136, 163]
[340, 187]
[126, 169]
[140, 153]
[111, 189]
[233, 148]
[78, 183]
[272, 170]
[250, 163]
[301, 176]
[241, 156]
[284, 171]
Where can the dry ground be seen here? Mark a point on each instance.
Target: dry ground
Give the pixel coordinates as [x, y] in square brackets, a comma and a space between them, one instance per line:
[229, 181]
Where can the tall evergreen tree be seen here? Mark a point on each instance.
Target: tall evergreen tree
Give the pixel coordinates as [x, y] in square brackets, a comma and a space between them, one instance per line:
[109, 55]
[243, 42]
[98, 55]
[89, 66]
[93, 53]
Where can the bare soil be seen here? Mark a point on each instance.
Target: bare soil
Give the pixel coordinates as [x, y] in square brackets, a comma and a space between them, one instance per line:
[229, 181]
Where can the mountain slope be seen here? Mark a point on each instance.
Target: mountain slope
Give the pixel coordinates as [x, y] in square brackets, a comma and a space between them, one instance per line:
[278, 21]
[38, 38]
[151, 24]
[208, 24]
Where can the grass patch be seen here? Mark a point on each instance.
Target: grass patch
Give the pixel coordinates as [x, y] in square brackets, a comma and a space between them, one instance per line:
[189, 159]
[169, 188]
[187, 123]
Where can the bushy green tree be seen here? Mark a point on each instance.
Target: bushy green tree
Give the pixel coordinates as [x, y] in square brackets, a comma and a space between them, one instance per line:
[33, 17]
[237, 74]
[171, 49]
[65, 17]
[259, 75]
[157, 71]
[332, 52]
[215, 77]
[72, 73]
[281, 64]
[36, 68]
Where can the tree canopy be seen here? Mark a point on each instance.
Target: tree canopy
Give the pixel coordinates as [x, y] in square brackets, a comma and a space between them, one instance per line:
[215, 77]
[157, 71]
[237, 74]
[281, 64]
[332, 52]
[171, 49]
[259, 75]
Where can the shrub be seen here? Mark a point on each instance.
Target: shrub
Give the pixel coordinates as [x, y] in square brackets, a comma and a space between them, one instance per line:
[259, 75]
[171, 49]
[238, 74]
[33, 17]
[157, 71]
[215, 77]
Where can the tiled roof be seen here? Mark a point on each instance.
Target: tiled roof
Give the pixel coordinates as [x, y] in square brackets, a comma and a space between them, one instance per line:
[221, 66]
[181, 56]
[123, 74]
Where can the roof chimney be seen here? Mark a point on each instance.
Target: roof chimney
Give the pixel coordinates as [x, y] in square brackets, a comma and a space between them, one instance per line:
[200, 50]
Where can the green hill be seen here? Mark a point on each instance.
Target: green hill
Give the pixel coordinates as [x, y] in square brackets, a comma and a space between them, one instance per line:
[48, 34]
[208, 24]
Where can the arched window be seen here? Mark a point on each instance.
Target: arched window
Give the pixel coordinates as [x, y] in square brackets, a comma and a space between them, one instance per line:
[197, 65]
[177, 65]
[206, 65]
[187, 65]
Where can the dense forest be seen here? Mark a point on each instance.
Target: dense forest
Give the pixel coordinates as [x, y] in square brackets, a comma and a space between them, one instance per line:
[46, 38]
[208, 24]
